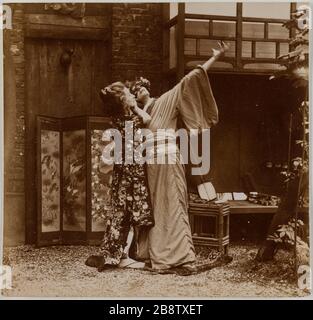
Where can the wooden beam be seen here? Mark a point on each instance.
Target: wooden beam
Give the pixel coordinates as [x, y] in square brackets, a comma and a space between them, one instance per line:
[263, 20]
[253, 72]
[211, 28]
[170, 23]
[96, 22]
[65, 27]
[180, 41]
[195, 36]
[258, 60]
[277, 49]
[209, 17]
[197, 47]
[265, 40]
[239, 37]
[64, 32]
[253, 49]
[166, 40]
[292, 32]
[266, 30]
[191, 57]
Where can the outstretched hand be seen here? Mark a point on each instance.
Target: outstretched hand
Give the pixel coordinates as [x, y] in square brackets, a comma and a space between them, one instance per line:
[223, 47]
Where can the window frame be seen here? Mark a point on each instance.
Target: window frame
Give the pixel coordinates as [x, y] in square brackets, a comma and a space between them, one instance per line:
[238, 61]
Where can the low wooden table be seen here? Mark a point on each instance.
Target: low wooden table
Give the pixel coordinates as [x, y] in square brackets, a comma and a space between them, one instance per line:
[246, 207]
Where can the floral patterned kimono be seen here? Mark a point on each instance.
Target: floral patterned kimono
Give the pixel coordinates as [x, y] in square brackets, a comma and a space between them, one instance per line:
[130, 199]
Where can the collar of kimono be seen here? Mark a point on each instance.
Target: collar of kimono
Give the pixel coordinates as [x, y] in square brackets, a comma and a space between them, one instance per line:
[148, 107]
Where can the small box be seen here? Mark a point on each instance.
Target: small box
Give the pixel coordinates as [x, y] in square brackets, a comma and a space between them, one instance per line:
[210, 224]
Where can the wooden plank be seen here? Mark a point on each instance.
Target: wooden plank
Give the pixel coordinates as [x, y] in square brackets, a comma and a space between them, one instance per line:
[57, 77]
[209, 17]
[65, 32]
[102, 74]
[91, 22]
[45, 97]
[82, 81]
[246, 207]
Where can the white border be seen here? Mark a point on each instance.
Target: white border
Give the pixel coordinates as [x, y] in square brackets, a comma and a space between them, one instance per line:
[142, 298]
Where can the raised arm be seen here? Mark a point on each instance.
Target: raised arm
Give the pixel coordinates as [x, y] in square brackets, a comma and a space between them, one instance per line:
[143, 114]
[192, 97]
[216, 54]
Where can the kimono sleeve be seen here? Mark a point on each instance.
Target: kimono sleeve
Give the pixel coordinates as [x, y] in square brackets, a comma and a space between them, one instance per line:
[197, 105]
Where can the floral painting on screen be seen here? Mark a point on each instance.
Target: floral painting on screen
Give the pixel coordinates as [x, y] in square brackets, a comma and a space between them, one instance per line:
[50, 178]
[74, 180]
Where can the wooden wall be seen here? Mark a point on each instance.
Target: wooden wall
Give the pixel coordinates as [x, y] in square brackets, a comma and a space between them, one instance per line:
[252, 130]
[56, 88]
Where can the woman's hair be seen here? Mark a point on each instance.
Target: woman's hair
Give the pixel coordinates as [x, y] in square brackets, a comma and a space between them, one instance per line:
[112, 98]
[135, 86]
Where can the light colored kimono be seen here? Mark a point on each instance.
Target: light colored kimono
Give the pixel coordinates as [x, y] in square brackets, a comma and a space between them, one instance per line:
[169, 242]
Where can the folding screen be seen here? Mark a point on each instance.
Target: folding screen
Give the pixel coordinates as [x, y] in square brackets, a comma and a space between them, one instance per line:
[73, 182]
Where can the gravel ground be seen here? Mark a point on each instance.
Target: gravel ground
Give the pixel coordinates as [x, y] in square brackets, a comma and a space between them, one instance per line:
[61, 272]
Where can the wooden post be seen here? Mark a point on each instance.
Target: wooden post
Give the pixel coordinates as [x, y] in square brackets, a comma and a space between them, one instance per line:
[239, 37]
[166, 45]
[227, 232]
[220, 229]
[180, 44]
[292, 32]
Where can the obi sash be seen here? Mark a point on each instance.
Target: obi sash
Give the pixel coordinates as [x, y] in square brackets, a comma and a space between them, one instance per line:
[161, 147]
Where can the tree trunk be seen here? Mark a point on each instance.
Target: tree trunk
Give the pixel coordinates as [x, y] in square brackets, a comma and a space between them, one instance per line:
[285, 212]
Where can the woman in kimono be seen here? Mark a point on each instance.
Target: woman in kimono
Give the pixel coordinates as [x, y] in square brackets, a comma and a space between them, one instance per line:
[130, 198]
[168, 245]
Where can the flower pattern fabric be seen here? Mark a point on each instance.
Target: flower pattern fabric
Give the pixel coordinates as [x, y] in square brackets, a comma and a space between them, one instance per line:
[130, 199]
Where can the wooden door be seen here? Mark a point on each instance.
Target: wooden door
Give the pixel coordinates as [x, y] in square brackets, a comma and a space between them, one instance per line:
[63, 78]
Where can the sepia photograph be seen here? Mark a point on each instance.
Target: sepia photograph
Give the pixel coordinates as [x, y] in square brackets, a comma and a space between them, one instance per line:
[155, 150]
